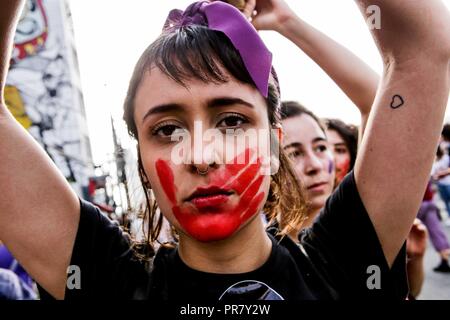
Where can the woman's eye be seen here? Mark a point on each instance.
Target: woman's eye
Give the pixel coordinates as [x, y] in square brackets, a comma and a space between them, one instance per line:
[165, 131]
[232, 121]
[340, 150]
[321, 148]
[295, 154]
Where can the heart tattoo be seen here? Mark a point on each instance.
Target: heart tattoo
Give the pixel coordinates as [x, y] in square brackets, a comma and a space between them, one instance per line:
[397, 102]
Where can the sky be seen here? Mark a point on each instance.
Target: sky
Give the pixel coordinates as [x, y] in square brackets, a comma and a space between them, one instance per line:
[111, 35]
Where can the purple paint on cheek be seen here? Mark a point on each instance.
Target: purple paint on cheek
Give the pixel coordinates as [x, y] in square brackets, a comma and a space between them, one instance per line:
[330, 166]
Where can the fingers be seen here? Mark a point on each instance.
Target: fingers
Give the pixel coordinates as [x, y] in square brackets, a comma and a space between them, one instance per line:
[418, 228]
[250, 6]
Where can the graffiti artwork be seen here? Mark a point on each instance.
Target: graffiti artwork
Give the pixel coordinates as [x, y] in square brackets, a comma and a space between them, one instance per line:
[42, 88]
[31, 32]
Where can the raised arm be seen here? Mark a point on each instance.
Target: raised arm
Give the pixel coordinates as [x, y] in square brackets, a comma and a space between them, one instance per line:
[39, 212]
[398, 148]
[355, 78]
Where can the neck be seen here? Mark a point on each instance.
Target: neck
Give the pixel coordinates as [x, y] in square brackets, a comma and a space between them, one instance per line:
[245, 251]
[312, 214]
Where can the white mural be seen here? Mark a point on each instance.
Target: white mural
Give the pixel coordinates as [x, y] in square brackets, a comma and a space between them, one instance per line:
[43, 88]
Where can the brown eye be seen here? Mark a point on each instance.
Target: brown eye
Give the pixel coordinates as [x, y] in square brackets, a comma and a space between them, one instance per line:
[295, 154]
[340, 150]
[321, 148]
[166, 130]
[232, 121]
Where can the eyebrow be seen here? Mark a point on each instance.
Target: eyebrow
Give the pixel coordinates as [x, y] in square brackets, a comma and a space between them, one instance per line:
[163, 108]
[298, 144]
[216, 102]
[228, 101]
[340, 144]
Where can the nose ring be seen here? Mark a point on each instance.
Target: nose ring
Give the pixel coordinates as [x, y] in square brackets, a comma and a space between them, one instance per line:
[203, 172]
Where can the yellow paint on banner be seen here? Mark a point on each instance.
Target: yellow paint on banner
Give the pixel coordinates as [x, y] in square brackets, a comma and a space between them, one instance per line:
[15, 104]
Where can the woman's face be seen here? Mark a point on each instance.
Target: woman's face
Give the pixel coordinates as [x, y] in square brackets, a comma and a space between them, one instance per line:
[341, 154]
[307, 146]
[181, 131]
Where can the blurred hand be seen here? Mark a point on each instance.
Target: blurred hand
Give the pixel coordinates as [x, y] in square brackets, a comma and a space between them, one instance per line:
[416, 243]
[270, 14]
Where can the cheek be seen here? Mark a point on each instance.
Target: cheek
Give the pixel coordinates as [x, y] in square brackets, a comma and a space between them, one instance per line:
[162, 181]
[299, 169]
[330, 167]
[328, 162]
[343, 163]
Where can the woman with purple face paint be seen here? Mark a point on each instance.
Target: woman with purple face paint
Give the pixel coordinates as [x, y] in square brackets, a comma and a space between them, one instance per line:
[209, 65]
[306, 143]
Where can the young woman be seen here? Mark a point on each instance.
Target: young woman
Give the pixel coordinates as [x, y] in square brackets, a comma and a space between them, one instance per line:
[343, 139]
[310, 150]
[201, 70]
[306, 144]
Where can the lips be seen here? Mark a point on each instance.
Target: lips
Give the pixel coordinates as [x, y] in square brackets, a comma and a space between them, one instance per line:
[209, 197]
[316, 186]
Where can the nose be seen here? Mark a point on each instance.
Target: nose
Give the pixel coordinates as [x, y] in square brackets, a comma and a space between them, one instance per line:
[204, 166]
[312, 164]
[204, 156]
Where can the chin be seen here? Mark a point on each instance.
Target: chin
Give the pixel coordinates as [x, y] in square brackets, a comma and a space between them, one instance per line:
[216, 230]
[318, 203]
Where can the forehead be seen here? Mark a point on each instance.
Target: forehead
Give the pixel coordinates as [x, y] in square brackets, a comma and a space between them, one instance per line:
[156, 88]
[302, 129]
[334, 137]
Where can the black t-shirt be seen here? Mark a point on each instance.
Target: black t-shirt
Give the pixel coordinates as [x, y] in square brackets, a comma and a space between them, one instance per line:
[340, 258]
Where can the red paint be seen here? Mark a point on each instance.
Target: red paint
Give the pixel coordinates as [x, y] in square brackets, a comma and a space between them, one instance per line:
[342, 168]
[165, 175]
[216, 217]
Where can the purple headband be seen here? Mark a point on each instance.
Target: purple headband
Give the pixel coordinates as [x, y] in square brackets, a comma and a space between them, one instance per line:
[221, 16]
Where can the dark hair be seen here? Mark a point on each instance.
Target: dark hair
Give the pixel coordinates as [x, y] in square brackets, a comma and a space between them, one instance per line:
[291, 109]
[446, 132]
[348, 133]
[196, 52]
[439, 152]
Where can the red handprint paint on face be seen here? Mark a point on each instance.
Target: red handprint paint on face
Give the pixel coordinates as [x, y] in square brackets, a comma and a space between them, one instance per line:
[342, 168]
[215, 212]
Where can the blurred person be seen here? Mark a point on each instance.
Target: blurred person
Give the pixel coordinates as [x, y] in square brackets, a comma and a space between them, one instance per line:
[430, 216]
[7, 261]
[441, 175]
[343, 139]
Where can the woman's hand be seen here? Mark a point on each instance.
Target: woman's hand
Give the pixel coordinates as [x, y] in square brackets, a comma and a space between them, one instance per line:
[416, 244]
[270, 14]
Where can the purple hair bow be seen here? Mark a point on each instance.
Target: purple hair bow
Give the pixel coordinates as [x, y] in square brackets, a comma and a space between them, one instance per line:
[221, 16]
